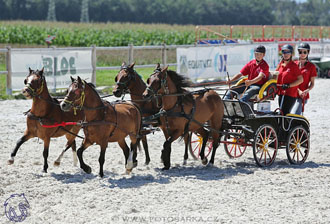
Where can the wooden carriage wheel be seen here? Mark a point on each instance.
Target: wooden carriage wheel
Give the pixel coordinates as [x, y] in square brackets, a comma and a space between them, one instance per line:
[297, 148]
[265, 145]
[233, 145]
[195, 146]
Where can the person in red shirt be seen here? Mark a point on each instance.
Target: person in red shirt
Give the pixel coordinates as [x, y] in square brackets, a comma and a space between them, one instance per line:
[257, 71]
[308, 71]
[289, 78]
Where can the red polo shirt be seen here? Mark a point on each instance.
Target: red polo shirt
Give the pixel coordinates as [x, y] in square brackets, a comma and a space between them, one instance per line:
[308, 71]
[288, 74]
[252, 70]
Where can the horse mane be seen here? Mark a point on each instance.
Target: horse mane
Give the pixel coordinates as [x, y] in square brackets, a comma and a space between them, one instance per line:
[180, 83]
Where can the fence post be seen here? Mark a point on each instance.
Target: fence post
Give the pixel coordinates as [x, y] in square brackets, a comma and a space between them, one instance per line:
[94, 64]
[130, 54]
[164, 55]
[9, 71]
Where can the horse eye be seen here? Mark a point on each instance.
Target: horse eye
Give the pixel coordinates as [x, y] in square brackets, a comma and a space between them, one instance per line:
[148, 80]
[116, 79]
[25, 81]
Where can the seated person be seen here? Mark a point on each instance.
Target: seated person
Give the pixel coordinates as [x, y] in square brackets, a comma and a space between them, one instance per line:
[258, 74]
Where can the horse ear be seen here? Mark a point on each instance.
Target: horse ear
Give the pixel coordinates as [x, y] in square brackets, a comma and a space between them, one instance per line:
[157, 66]
[131, 66]
[41, 71]
[79, 80]
[72, 79]
[30, 70]
[123, 64]
[165, 69]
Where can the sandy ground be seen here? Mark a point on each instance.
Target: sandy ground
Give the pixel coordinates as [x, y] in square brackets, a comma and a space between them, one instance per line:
[233, 191]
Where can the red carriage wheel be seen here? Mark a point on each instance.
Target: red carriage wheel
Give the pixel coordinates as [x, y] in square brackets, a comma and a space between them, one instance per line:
[195, 146]
[265, 145]
[297, 148]
[233, 145]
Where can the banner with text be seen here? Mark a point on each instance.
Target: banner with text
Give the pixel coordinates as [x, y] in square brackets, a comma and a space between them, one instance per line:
[213, 63]
[59, 65]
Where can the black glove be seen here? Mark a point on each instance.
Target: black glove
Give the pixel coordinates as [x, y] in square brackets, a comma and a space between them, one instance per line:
[285, 86]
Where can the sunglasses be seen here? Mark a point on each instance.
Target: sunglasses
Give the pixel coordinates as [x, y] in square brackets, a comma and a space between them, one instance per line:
[303, 52]
[286, 52]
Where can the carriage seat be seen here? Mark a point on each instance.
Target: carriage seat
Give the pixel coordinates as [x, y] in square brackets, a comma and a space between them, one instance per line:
[267, 90]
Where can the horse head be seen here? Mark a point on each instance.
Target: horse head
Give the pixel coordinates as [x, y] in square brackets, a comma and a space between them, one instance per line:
[75, 96]
[124, 79]
[157, 83]
[34, 83]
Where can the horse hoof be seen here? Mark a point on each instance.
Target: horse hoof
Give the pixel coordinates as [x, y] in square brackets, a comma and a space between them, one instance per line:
[56, 163]
[129, 166]
[204, 161]
[147, 162]
[128, 171]
[185, 162]
[87, 170]
[10, 161]
[165, 168]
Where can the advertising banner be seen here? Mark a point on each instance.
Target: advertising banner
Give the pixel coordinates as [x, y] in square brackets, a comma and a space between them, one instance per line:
[213, 63]
[58, 66]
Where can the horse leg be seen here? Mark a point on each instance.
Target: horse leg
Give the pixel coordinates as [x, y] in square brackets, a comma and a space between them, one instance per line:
[205, 135]
[80, 151]
[101, 159]
[126, 150]
[68, 145]
[166, 152]
[186, 142]
[146, 150]
[45, 153]
[215, 146]
[20, 141]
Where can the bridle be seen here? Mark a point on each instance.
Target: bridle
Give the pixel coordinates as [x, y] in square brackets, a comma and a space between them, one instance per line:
[81, 98]
[38, 91]
[130, 76]
[163, 84]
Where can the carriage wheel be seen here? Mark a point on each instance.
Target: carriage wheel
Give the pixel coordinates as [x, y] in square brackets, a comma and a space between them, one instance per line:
[297, 148]
[265, 146]
[234, 149]
[195, 146]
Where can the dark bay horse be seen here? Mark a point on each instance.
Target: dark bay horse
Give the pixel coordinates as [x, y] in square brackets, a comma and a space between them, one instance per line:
[46, 110]
[128, 80]
[185, 112]
[104, 122]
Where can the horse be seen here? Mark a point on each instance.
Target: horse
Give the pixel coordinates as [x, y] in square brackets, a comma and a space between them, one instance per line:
[129, 81]
[184, 111]
[46, 110]
[104, 122]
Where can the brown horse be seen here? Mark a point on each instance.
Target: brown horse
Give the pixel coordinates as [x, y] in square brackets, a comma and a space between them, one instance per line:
[128, 80]
[104, 122]
[46, 111]
[185, 112]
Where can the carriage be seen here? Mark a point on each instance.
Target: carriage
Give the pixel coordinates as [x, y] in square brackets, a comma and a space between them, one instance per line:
[264, 131]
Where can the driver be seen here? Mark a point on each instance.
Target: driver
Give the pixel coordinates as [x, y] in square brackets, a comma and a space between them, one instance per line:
[257, 71]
